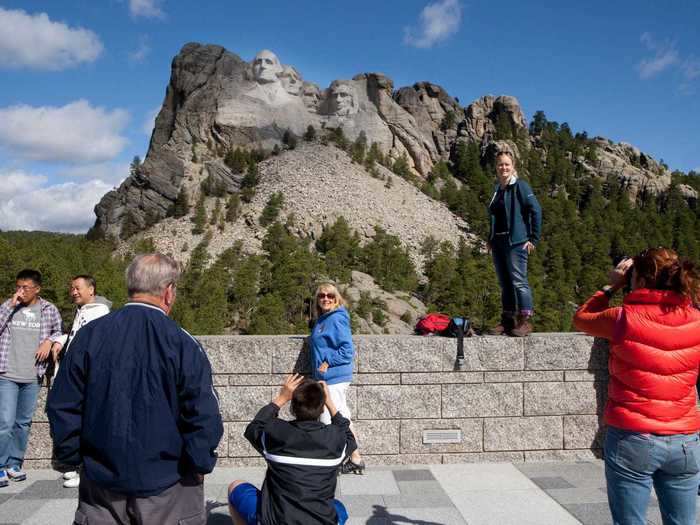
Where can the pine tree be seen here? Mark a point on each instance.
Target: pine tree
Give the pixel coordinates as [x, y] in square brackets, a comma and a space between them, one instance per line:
[181, 207]
[249, 182]
[232, 208]
[310, 134]
[272, 209]
[200, 216]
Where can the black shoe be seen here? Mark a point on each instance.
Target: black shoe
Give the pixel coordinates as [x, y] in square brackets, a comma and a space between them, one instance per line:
[350, 467]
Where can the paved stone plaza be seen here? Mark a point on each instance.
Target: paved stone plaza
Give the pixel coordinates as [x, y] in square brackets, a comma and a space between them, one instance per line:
[456, 494]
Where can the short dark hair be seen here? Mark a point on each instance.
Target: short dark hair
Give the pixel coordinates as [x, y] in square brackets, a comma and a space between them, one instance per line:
[31, 275]
[308, 400]
[89, 279]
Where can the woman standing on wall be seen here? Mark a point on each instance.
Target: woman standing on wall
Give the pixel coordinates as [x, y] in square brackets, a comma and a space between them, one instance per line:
[651, 413]
[516, 222]
[332, 354]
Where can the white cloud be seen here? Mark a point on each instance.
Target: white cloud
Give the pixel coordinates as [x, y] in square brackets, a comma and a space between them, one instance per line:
[36, 42]
[142, 52]
[66, 207]
[76, 133]
[150, 123]
[108, 172]
[146, 8]
[665, 56]
[14, 182]
[691, 68]
[438, 21]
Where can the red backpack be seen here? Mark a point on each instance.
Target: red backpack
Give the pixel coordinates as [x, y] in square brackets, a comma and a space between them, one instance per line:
[432, 324]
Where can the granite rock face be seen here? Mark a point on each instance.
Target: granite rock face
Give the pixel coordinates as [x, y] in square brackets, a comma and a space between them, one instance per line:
[216, 101]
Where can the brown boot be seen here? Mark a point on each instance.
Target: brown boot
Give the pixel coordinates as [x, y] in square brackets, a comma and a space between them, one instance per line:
[505, 326]
[522, 328]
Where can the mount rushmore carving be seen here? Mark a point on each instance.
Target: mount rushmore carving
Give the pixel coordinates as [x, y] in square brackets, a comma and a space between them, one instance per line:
[216, 101]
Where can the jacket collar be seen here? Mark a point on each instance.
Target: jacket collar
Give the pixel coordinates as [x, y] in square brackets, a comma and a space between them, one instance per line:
[652, 296]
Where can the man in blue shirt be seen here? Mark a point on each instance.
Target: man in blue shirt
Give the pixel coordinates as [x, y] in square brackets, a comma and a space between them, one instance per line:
[133, 402]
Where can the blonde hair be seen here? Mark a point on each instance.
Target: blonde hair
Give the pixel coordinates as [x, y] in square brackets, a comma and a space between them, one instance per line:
[508, 153]
[326, 287]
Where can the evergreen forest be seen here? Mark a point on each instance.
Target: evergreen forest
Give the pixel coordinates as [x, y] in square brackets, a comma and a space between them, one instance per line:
[587, 223]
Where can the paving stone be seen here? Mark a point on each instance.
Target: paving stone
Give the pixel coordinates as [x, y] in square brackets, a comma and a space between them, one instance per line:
[511, 507]
[47, 489]
[523, 433]
[482, 400]
[414, 475]
[5, 497]
[591, 513]
[551, 483]
[402, 460]
[561, 398]
[15, 511]
[412, 435]
[417, 488]
[377, 482]
[446, 515]
[418, 500]
[54, 511]
[577, 495]
[361, 504]
[456, 479]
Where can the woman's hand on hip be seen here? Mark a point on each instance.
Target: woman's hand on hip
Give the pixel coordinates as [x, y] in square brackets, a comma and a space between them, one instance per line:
[529, 247]
[323, 368]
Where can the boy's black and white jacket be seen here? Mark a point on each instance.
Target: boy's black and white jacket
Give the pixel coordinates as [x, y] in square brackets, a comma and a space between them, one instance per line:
[302, 464]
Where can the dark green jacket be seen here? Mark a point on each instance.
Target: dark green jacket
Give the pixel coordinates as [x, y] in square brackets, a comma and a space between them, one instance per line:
[523, 213]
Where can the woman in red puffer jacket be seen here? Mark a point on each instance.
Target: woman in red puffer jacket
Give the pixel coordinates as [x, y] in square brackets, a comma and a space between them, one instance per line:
[653, 422]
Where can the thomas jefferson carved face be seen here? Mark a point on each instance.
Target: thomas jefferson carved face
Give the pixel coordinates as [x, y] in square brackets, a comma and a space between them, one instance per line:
[266, 67]
[342, 100]
[291, 80]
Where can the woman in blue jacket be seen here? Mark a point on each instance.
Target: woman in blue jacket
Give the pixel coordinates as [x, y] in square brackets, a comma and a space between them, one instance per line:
[332, 354]
[516, 222]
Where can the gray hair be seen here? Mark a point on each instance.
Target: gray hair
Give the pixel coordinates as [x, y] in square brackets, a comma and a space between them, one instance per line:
[151, 273]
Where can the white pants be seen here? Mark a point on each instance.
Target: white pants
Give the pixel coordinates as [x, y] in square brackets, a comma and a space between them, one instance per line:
[338, 394]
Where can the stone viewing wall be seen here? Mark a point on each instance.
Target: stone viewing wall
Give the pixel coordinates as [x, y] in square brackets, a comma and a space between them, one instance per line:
[530, 399]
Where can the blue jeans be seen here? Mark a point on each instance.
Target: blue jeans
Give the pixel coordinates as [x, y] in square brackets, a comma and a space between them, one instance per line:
[511, 269]
[634, 461]
[17, 403]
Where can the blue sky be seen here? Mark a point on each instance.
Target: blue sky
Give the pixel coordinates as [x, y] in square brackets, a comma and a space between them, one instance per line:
[81, 80]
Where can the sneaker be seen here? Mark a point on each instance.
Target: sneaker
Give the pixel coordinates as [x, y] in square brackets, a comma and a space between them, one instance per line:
[16, 474]
[72, 483]
[70, 474]
[4, 480]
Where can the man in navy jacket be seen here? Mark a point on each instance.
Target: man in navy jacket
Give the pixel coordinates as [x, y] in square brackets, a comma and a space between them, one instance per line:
[133, 402]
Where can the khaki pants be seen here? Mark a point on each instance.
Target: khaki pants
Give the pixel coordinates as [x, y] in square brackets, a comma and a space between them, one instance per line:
[181, 504]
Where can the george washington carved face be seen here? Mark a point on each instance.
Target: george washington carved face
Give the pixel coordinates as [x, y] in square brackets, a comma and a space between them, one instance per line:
[266, 67]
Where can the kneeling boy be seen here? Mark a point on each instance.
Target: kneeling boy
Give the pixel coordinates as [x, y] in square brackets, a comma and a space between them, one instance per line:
[302, 461]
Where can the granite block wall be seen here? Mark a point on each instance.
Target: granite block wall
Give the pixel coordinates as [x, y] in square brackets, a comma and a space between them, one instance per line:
[536, 398]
